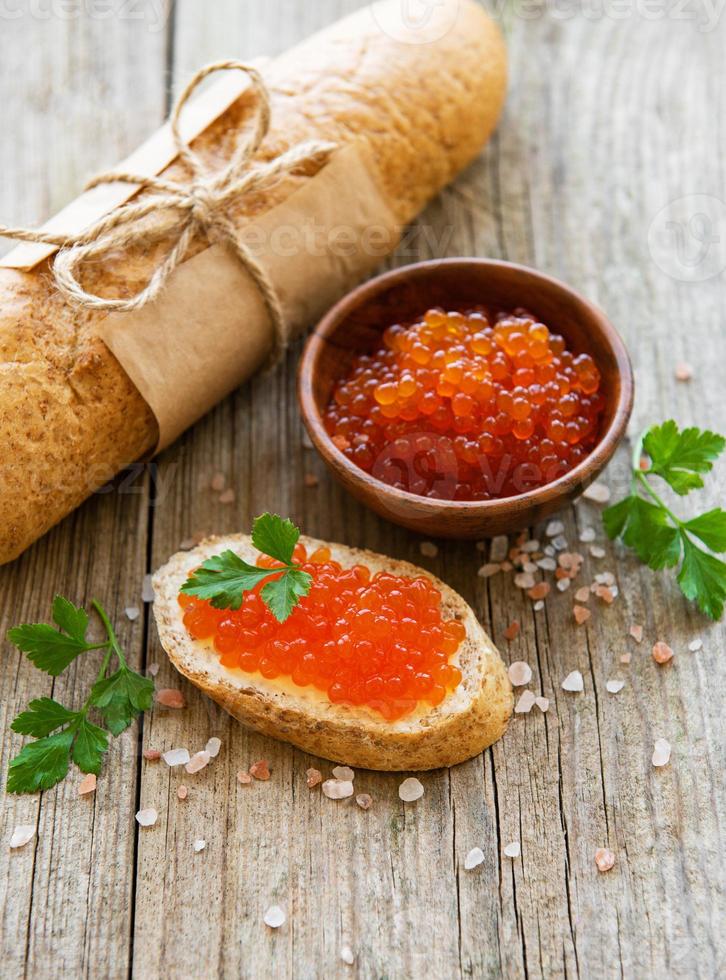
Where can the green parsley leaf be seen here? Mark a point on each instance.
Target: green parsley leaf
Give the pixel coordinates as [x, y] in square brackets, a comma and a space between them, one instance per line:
[678, 457]
[710, 528]
[275, 537]
[121, 697]
[48, 648]
[41, 764]
[282, 595]
[89, 746]
[660, 538]
[703, 577]
[42, 717]
[71, 619]
[224, 579]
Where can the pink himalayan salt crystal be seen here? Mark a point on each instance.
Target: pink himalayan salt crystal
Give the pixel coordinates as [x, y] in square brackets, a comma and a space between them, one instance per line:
[410, 790]
[581, 615]
[491, 568]
[542, 703]
[199, 845]
[213, 746]
[182, 793]
[661, 752]
[218, 481]
[337, 789]
[313, 777]
[169, 697]
[176, 757]
[525, 703]
[87, 784]
[274, 917]
[684, 371]
[364, 801]
[520, 673]
[260, 770]
[152, 755]
[613, 686]
[582, 594]
[22, 835]
[573, 682]
[347, 955]
[474, 858]
[244, 778]
[513, 850]
[662, 653]
[636, 631]
[197, 762]
[598, 493]
[625, 658]
[525, 580]
[147, 817]
[345, 773]
[604, 859]
[428, 549]
[227, 496]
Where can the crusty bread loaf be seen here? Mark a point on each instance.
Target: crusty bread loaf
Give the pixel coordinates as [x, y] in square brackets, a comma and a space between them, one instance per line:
[466, 722]
[69, 415]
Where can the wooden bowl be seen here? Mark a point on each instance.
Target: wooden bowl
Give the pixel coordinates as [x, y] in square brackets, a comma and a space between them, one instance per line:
[354, 326]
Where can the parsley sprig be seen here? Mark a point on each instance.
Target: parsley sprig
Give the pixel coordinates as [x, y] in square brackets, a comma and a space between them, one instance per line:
[62, 735]
[223, 579]
[660, 538]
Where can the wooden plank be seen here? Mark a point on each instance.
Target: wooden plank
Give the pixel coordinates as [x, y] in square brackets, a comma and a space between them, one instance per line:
[89, 92]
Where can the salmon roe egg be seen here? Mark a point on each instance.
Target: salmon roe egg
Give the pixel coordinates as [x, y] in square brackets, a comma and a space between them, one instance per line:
[378, 641]
[468, 406]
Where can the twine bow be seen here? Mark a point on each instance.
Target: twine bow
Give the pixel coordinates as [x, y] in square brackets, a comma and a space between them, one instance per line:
[197, 207]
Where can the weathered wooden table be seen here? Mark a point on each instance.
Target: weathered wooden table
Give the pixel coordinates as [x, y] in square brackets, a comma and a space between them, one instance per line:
[607, 170]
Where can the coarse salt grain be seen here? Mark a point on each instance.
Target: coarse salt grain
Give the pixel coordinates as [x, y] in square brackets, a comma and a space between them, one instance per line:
[513, 850]
[538, 605]
[227, 496]
[344, 772]
[337, 789]
[525, 704]
[199, 761]
[625, 658]
[186, 544]
[582, 594]
[199, 845]
[176, 757]
[581, 614]
[604, 859]
[520, 673]
[152, 670]
[636, 631]
[428, 549]
[547, 564]
[147, 590]
[684, 371]
[695, 645]
[152, 755]
[512, 631]
[554, 528]
[217, 482]
[525, 580]
[598, 493]
[147, 818]
[474, 858]
[542, 703]
[614, 686]
[244, 778]
[182, 792]
[132, 612]
[274, 917]
[410, 790]
[573, 682]
[661, 752]
[596, 551]
[662, 653]
[310, 480]
[347, 955]
[313, 777]
[606, 594]
[587, 534]
[169, 697]
[539, 591]
[605, 578]
[563, 584]
[22, 835]
[87, 784]
[499, 548]
[260, 770]
[486, 571]
[559, 543]
[364, 801]
[213, 746]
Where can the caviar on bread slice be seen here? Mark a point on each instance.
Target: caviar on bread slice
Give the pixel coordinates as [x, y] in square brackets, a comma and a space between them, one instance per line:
[377, 665]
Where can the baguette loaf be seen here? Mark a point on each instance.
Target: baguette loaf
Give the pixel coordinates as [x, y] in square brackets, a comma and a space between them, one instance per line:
[70, 417]
[467, 721]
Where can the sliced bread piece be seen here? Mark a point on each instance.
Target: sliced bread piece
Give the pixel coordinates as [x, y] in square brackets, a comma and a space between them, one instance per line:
[468, 720]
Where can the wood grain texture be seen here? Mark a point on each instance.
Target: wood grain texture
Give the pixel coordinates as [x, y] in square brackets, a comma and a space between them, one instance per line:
[609, 122]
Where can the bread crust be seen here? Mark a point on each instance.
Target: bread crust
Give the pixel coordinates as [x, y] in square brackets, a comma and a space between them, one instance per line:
[69, 415]
[466, 723]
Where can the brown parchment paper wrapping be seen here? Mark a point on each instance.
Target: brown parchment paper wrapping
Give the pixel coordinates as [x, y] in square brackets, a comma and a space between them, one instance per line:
[209, 330]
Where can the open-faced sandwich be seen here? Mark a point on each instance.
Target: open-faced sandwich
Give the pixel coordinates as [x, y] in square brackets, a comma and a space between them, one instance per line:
[345, 653]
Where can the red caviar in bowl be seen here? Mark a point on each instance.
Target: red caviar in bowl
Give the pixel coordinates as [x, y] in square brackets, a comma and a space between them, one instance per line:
[375, 640]
[468, 406]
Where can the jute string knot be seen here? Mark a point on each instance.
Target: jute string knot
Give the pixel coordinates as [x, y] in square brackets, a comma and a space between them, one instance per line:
[178, 211]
